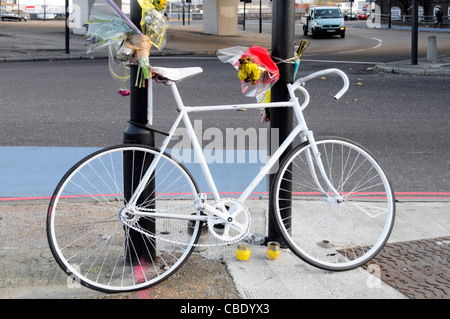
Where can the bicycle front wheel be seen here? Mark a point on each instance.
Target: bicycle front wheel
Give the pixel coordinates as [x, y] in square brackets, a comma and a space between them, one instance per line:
[328, 231]
[85, 224]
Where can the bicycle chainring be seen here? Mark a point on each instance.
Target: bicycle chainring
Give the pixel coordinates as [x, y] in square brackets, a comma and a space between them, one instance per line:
[236, 227]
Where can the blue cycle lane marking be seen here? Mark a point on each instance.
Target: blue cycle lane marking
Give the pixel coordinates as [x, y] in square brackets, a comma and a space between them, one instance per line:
[34, 172]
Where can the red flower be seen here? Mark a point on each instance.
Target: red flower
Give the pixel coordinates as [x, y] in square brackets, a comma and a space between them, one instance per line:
[124, 92]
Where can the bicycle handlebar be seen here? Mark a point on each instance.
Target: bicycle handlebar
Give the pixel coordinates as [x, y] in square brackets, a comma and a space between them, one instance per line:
[344, 77]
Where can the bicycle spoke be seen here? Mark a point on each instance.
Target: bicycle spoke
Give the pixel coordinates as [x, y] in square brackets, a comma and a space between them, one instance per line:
[108, 246]
[325, 232]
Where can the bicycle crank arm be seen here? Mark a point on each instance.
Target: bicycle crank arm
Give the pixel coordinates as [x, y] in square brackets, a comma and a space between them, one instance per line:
[215, 212]
[175, 216]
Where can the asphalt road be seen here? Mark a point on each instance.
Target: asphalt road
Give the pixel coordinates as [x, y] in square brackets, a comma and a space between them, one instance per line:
[402, 119]
[361, 43]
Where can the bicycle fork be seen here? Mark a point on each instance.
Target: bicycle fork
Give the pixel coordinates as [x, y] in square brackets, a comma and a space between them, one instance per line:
[315, 158]
[307, 136]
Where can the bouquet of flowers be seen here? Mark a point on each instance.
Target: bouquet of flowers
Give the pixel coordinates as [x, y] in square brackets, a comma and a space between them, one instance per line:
[257, 72]
[128, 45]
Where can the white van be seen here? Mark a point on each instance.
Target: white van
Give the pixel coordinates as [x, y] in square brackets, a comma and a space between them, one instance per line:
[324, 20]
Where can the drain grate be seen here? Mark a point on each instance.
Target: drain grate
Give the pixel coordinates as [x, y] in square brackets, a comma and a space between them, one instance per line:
[419, 269]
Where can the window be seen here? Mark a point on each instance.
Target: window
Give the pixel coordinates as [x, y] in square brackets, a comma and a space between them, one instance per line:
[328, 13]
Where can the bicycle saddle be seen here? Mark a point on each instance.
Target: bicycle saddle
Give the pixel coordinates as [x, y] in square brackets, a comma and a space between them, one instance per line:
[174, 74]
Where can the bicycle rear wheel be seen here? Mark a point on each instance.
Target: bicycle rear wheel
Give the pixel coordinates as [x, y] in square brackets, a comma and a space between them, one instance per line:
[85, 227]
[320, 229]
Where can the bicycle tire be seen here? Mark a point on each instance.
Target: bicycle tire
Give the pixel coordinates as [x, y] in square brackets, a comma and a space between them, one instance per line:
[319, 229]
[96, 249]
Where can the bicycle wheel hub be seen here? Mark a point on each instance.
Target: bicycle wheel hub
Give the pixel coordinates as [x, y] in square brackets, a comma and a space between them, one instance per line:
[334, 200]
[127, 216]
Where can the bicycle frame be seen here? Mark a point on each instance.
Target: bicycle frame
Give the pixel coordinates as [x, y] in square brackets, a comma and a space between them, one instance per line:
[300, 129]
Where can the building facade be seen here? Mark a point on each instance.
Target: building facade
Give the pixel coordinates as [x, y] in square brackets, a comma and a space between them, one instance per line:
[402, 8]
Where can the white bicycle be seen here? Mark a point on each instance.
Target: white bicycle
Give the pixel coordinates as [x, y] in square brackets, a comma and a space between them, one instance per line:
[127, 217]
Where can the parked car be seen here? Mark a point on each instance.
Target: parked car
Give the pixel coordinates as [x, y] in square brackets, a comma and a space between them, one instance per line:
[362, 16]
[12, 16]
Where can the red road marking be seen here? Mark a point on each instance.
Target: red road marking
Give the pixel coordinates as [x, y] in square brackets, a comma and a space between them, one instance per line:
[398, 195]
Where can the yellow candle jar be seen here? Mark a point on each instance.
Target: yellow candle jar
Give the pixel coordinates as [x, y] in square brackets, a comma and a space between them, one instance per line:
[242, 252]
[273, 250]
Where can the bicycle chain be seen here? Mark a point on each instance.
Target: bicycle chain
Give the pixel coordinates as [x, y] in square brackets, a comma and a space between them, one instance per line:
[134, 222]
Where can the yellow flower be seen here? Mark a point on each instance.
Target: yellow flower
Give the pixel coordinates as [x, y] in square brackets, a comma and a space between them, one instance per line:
[242, 75]
[160, 4]
[254, 72]
[249, 72]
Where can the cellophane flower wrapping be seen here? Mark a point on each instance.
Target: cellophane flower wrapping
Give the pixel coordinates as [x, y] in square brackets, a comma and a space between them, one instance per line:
[257, 72]
[153, 22]
[105, 26]
[126, 46]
